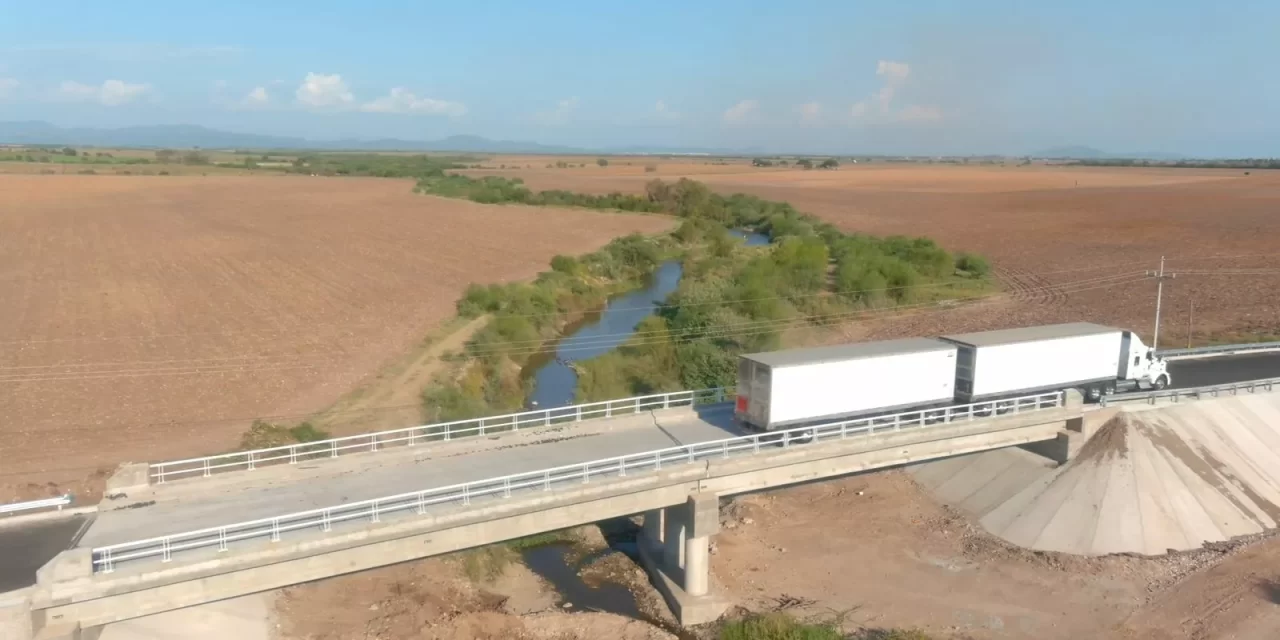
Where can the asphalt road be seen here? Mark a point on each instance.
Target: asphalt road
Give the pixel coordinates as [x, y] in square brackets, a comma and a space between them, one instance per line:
[1224, 370]
[25, 548]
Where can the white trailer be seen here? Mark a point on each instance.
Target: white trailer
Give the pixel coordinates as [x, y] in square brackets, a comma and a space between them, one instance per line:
[798, 386]
[1096, 359]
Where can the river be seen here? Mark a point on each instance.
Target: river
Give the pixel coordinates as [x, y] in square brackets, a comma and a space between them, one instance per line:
[555, 383]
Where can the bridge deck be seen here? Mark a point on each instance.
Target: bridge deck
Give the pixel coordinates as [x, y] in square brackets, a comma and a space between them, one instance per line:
[270, 491]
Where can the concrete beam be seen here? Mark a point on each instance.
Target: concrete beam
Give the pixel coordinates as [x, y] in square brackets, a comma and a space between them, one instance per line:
[15, 614]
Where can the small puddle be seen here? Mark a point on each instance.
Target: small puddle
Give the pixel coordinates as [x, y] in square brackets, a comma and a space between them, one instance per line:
[560, 565]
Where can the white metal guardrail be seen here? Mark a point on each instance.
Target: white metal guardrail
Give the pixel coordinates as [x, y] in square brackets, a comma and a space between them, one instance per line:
[1195, 393]
[105, 559]
[32, 505]
[1218, 350]
[410, 436]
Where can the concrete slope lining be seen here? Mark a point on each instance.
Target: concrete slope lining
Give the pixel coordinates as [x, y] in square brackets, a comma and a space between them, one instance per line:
[1151, 480]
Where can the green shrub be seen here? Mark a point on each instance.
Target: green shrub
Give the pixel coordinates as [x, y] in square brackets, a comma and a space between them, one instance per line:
[974, 265]
[565, 264]
[778, 626]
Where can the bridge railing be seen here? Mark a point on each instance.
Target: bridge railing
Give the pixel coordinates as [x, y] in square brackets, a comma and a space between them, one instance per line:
[223, 538]
[1195, 393]
[1218, 350]
[444, 431]
[47, 503]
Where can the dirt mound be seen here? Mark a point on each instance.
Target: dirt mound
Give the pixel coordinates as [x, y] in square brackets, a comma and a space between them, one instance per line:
[1148, 482]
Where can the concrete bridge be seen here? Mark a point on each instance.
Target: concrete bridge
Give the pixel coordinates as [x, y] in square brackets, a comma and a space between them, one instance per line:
[185, 543]
[181, 534]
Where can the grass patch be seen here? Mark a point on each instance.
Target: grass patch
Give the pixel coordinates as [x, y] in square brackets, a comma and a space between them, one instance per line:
[265, 435]
[783, 626]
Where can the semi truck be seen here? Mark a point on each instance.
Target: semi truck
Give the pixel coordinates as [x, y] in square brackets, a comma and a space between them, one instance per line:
[795, 387]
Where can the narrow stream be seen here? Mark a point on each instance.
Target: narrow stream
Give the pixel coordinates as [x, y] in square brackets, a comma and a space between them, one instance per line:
[555, 383]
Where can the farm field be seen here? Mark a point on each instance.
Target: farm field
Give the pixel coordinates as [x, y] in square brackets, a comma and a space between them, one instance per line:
[153, 317]
[1069, 243]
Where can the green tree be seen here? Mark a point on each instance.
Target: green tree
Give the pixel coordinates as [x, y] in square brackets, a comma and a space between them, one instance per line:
[602, 162]
[830, 163]
[804, 162]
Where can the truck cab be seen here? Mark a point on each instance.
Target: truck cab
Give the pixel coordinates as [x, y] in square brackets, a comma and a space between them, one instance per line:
[1140, 366]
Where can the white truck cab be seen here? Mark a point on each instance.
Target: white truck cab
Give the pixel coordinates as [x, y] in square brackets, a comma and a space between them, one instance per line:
[1141, 367]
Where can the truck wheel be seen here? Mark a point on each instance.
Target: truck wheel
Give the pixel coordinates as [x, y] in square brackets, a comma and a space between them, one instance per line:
[1161, 383]
[1109, 389]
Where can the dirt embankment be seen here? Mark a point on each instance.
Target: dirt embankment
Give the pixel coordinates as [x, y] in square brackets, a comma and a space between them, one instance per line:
[446, 598]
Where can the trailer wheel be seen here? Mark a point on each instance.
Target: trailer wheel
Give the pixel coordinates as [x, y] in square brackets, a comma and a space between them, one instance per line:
[1109, 389]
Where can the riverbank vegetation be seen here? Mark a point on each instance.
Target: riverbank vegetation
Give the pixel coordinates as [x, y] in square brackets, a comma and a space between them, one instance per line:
[732, 299]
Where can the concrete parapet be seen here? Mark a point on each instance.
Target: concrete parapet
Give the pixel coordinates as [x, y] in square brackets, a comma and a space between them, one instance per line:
[69, 565]
[130, 476]
[15, 615]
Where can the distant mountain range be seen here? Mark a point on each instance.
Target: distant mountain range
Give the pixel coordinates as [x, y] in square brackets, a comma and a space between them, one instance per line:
[1089, 153]
[186, 136]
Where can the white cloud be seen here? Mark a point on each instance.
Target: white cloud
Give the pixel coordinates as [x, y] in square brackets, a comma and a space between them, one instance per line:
[401, 100]
[258, 97]
[880, 107]
[741, 112]
[810, 112]
[110, 93]
[324, 91]
[560, 115]
[7, 85]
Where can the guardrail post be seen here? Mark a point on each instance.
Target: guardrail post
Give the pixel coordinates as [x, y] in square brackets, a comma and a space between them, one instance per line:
[586, 472]
[333, 449]
[897, 422]
[412, 437]
[326, 522]
[107, 565]
[578, 413]
[208, 468]
[608, 409]
[275, 529]
[422, 503]
[666, 401]
[546, 481]
[506, 487]
[637, 405]
[373, 443]
[719, 395]
[222, 540]
[376, 515]
[251, 465]
[466, 494]
[622, 468]
[293, 454]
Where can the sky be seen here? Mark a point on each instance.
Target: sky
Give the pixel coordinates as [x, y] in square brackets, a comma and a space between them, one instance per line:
[839, 76]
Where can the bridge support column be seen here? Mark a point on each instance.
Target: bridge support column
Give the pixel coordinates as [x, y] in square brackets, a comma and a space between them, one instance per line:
[651, 533]
[679, 563]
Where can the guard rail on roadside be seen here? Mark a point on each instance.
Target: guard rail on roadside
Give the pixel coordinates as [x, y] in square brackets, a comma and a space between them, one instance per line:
[410, 436]
[1218, 350]
[222, 538]
[32, 505]
[1196, 393]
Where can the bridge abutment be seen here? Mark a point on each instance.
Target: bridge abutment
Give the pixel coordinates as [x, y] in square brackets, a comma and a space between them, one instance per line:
[679, 562]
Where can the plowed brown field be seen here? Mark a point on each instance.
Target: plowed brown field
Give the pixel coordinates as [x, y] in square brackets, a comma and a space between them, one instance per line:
[144, 318]
[1070, 243]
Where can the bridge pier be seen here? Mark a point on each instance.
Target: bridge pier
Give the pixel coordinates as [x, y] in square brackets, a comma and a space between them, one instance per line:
[679, 561]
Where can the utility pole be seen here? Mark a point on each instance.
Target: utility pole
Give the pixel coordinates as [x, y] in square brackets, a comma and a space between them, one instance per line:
[1191, 312]
[1160, 277]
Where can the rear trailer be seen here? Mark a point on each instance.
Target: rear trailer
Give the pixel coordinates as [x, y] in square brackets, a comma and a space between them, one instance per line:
[1014, 362]
[800, 386]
